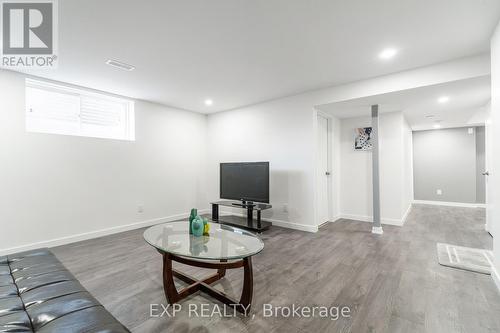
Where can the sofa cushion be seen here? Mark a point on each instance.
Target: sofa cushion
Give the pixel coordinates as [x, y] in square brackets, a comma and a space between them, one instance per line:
[34, 263]
[4, 270]
[38, 294]
[30, 253]
[11, 304]
[8, 291]
[27, 284]
[45, 312]
[47, 292]
[6, 280]
[37, 270]
[94, 319]
[15, 322]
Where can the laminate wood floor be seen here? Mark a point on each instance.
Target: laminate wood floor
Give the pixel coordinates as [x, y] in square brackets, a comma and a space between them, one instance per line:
[392, 283]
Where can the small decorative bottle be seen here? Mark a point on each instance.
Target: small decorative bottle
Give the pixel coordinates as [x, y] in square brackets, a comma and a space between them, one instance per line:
[197, 226]
[192, 216]
[206, 227]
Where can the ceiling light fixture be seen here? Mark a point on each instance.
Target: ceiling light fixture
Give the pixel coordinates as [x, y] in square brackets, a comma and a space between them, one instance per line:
[120, 65]
[437, 125]
[208, 102]
[443, 99]
[388, 54]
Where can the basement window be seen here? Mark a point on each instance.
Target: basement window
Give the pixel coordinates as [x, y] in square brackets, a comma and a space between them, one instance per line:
[57, 109]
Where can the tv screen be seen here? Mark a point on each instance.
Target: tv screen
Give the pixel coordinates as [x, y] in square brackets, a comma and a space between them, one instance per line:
[245, 181]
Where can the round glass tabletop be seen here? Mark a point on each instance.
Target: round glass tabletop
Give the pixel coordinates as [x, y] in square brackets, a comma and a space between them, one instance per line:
[223, 242]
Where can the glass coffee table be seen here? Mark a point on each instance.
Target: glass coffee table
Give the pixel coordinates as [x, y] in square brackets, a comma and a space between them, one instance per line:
[226, 247]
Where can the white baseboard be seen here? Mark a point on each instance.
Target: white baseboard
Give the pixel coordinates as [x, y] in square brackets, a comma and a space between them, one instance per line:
[405, 216]
[281, 223]
[365, 218]
[204, 211]
[451, 204]
[292, 225]
[335, 219]
[495, 277]
[97, 233]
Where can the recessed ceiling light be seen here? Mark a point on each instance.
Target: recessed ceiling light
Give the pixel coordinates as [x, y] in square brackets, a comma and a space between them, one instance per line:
[437, 125]
[388, 54]
[443, 99]
[120, 65]
[209, 102]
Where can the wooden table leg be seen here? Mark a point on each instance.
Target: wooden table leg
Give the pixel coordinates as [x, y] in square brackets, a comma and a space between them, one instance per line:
[222, 271]
[168, 280]
[174, 296]
[247, 293]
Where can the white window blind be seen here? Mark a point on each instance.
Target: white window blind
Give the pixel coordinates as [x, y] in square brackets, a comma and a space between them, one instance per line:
[58, 109]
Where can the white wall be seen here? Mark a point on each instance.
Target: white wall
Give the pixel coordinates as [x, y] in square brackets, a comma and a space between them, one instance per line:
[494, 179]
[445, 159]
[281, 133]
[55, 186]
[407, 168]
[336, 167]
[356, 170]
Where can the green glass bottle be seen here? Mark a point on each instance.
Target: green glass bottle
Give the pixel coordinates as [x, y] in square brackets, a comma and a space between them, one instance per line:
[197, 227]
[192, 216]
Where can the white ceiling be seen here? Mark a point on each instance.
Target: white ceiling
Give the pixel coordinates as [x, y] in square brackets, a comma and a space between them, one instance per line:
[240, 52]
[467, 99]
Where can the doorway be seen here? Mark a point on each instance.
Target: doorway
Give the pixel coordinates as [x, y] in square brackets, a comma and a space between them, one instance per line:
[490, 192]
[324, 169]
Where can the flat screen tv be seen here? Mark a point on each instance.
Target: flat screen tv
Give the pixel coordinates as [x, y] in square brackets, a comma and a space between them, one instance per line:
[245, 181]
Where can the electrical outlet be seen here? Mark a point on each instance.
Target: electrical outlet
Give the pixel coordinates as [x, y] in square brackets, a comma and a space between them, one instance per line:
[439, 192]
[140, 209]
[285, 208]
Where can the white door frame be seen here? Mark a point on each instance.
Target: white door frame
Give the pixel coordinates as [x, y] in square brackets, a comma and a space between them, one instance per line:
[318, 172]
[488, 138]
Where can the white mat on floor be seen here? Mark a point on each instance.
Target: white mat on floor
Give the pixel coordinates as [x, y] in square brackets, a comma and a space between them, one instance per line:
[467, 258]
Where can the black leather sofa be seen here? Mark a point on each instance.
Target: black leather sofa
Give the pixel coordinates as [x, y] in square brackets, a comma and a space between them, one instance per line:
[38, 294]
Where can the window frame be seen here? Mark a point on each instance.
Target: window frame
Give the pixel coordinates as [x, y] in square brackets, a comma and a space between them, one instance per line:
[129, 112]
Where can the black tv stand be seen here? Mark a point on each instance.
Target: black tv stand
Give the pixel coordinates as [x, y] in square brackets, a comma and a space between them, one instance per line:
[247, 222]
[243, 204]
